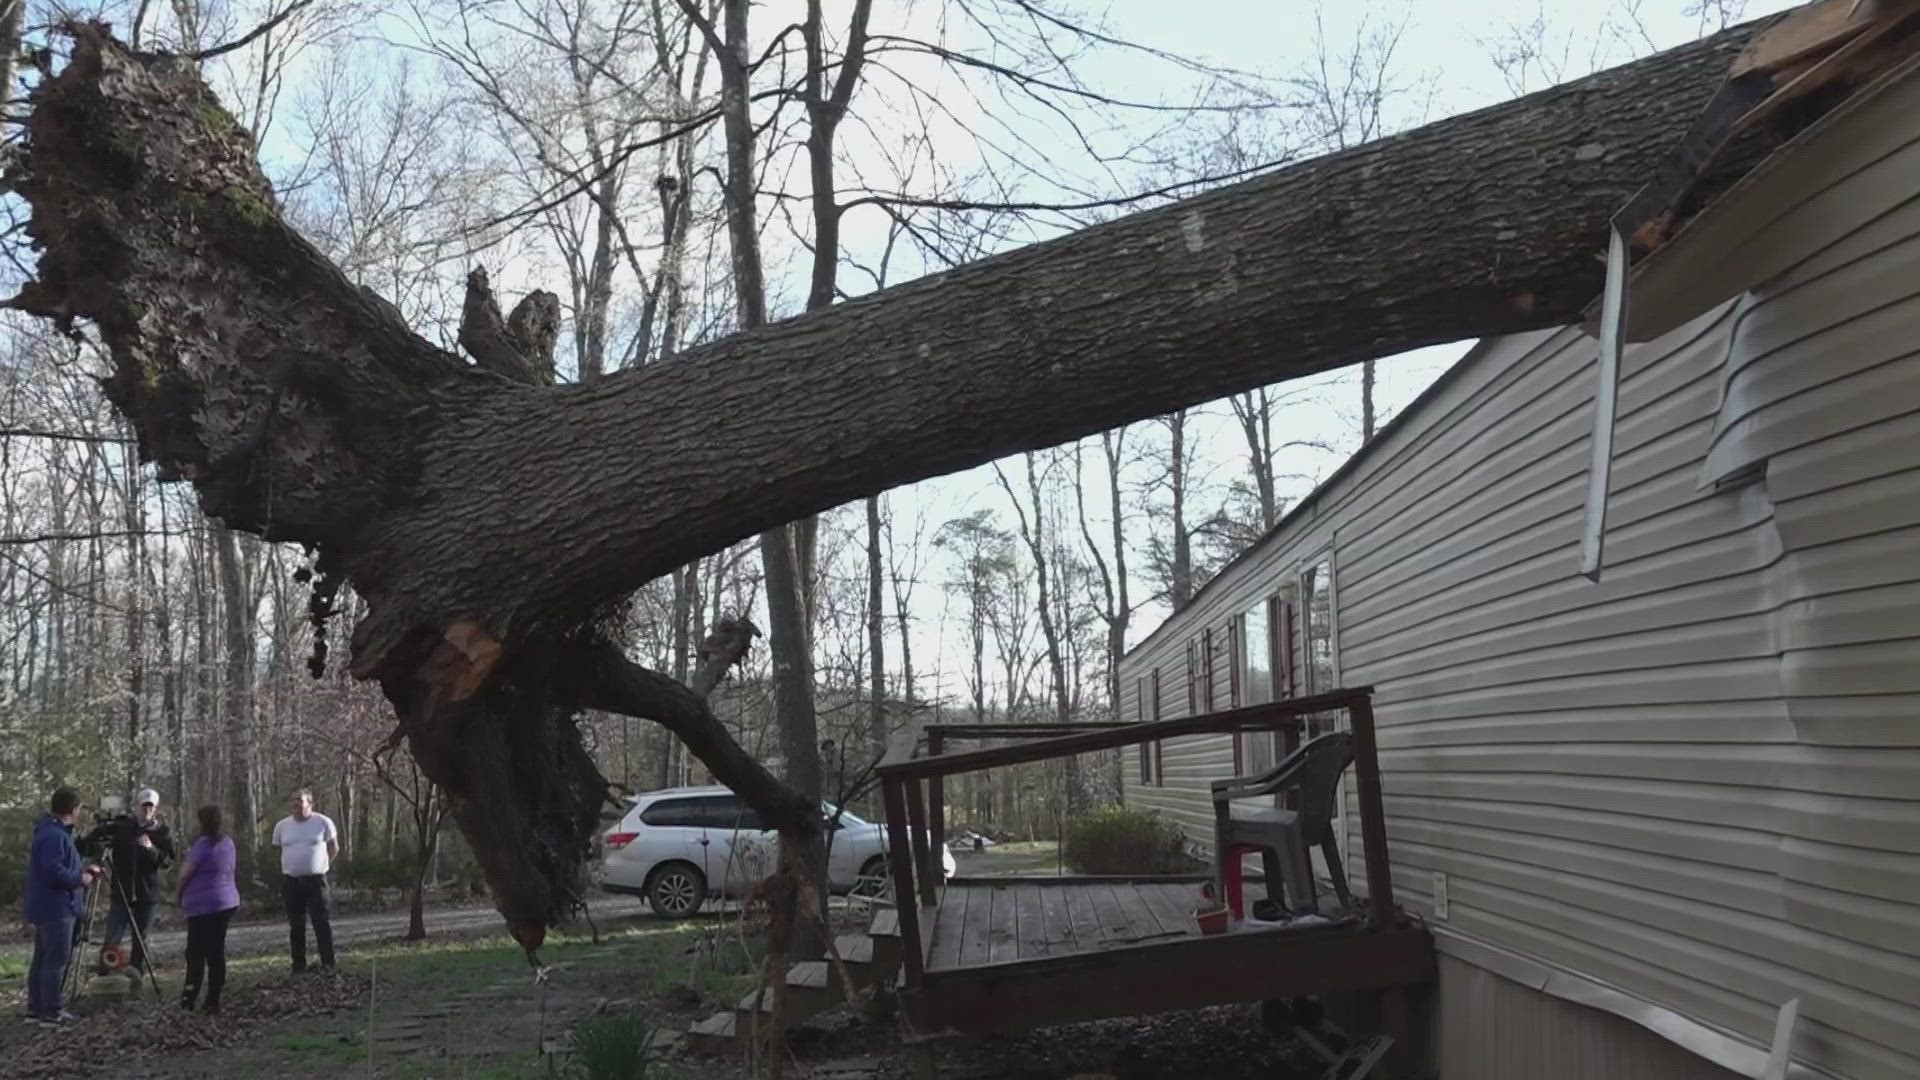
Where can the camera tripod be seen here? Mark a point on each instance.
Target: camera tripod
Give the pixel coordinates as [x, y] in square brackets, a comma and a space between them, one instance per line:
[83, 927]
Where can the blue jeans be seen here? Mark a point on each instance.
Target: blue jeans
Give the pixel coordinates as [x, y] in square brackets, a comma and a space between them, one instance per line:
[52, 945]
[117, 926]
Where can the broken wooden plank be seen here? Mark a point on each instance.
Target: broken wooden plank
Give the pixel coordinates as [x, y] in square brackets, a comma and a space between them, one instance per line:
[1810, 30]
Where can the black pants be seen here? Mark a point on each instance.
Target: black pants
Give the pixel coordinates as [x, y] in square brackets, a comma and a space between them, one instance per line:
[207, 955]
[308, 895]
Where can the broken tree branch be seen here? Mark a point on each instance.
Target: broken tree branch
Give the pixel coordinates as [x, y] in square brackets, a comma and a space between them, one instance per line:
[605, 679]
[518, 348]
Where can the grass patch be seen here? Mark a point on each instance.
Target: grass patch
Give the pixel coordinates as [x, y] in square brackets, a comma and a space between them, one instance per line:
[520, 1066]
[725, 972]
[465, 959]
[334, 1049]
[1024, 847]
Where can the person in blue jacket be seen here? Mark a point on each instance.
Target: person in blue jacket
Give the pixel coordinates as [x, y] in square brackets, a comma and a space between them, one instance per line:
[57, 879]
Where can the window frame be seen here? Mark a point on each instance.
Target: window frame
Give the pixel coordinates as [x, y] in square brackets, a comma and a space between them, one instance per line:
[1159, 760]
[1140, 716]
[1236, 646]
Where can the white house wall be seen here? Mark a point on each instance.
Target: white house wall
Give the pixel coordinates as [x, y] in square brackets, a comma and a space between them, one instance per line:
[1697, 781]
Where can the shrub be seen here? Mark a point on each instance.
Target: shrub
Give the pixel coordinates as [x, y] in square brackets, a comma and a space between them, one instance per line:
[1117, 840]
[613, 1046]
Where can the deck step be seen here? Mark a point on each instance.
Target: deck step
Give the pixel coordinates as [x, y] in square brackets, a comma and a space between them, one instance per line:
[813, 987]
[854, 948]
[885, 932]
[714, 1035]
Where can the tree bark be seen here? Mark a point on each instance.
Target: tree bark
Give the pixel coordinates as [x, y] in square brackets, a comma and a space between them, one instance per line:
[1366, 402]
[303, 409]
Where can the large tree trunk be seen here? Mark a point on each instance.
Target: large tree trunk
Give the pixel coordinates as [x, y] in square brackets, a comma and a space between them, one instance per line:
[303, 409]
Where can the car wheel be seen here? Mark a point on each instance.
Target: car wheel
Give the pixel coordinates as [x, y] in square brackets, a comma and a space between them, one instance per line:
[875, 881]
[676, 890]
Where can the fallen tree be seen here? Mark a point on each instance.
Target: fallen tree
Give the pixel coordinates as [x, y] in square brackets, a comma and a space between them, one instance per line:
[450, 494]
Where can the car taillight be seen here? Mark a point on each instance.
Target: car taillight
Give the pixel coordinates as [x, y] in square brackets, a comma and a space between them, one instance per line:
[618, 840]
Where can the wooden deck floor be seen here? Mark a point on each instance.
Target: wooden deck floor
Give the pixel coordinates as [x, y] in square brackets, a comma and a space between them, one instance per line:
[1013, 955]
[1014, 921]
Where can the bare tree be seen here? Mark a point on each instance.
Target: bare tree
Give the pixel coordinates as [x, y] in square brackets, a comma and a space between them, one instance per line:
[1116, 608]
[1170, 552]
[1048, 590]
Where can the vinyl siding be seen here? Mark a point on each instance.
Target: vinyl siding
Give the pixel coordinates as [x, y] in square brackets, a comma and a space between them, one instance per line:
[1698, 780]
[1492, 1026]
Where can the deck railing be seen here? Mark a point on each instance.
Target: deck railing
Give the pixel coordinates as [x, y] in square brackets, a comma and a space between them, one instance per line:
[906, 782]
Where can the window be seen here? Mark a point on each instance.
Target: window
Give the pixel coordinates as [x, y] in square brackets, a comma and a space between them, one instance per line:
[1319, 658]
[1254, 679]
[1322, 675]
[702, 812]
[671, 813]
[728, 812]
[1281, 615]
[1253, 671]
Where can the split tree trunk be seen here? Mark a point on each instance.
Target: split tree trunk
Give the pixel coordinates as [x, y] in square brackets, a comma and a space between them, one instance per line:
[303, 409]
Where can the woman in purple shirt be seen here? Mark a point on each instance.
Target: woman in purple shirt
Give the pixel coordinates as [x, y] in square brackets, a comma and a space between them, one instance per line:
[208, 898]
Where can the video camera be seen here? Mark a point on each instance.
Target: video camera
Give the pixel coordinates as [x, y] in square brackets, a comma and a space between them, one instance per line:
[97, 843]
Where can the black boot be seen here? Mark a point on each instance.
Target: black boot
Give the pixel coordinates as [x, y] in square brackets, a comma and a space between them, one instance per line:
[187, 997]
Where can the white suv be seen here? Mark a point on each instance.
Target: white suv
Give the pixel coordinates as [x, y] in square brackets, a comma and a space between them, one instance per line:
[682, 846]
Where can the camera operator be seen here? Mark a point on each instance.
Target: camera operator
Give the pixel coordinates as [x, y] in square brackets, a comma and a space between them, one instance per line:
[142, 847]
[56, 886]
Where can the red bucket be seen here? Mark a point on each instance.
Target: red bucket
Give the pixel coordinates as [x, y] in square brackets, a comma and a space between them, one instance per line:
[1212, 921]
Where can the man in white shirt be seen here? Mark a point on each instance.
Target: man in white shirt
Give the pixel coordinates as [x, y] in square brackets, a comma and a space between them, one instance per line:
[308, 844]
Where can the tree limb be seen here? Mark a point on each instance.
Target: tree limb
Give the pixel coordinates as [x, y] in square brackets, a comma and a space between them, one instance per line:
[606, 680]
[253, 35]
[520, 348]
[724, 647]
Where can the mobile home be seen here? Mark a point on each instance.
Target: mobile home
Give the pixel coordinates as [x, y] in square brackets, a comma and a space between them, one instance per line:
[1640, 813]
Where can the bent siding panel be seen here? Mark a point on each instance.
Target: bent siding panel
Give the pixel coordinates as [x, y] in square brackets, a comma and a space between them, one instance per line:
[1698, 780]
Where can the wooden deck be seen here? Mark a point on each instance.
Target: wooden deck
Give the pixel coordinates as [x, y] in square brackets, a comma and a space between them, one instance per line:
[1007, 922]
[1013, 954]
[1104, 966]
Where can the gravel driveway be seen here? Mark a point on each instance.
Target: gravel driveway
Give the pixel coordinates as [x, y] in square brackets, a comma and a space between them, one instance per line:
[264, 933]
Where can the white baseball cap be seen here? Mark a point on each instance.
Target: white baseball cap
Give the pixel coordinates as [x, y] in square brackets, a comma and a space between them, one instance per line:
[147, 795]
